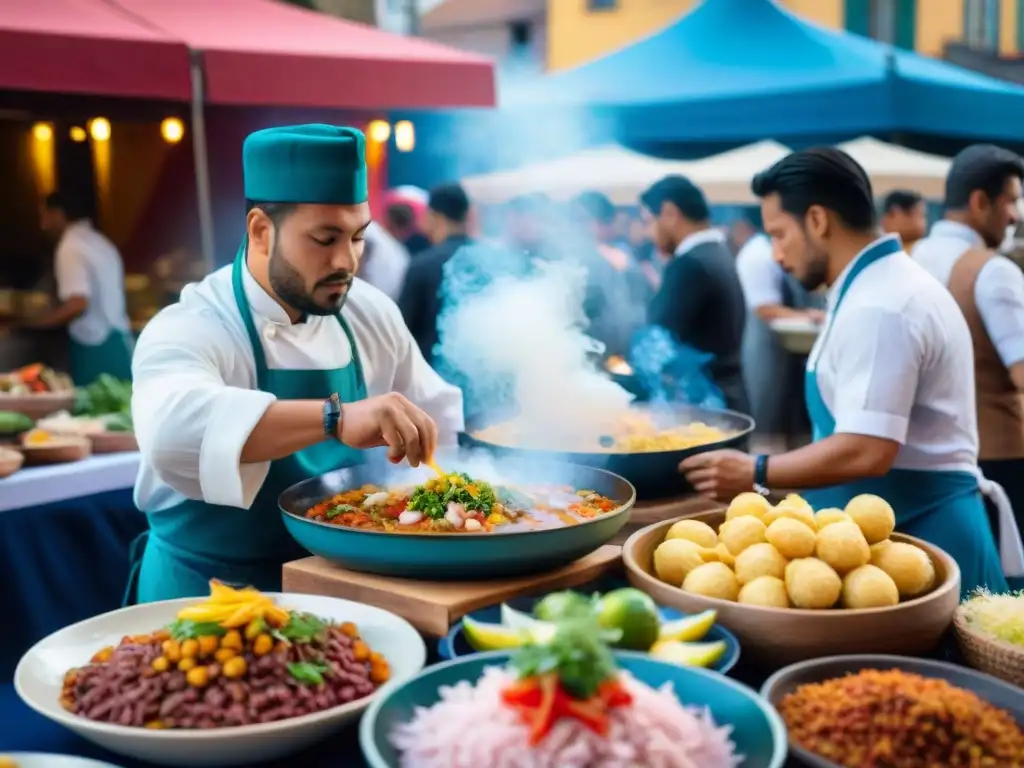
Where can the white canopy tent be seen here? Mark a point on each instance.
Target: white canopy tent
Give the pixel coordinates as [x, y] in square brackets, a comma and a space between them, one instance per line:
[725, 178]
[891, 167]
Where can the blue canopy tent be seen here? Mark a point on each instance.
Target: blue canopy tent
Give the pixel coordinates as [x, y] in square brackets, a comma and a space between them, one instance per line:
[736, 71]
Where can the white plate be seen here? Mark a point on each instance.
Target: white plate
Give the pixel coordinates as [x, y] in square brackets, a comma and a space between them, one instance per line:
[40, 674]
[40, 760]
[797, 335]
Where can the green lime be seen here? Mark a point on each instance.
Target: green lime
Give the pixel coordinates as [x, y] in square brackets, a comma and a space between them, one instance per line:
[634, 614]
[559, 605]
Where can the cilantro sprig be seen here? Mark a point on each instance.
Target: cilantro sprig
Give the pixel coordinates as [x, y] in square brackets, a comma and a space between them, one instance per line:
[432, 498]
[302, 628]
[307, 672]
[186, 629]
[578, 653]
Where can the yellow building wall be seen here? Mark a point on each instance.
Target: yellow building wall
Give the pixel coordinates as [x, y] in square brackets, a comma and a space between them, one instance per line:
[577, 35]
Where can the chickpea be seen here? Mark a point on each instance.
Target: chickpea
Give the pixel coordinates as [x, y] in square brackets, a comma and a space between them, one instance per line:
[377, 658]
[68, 703]
[360, 651]
[70, 678]
[161, 664]
[198, 677]
[172, 650]
[103, 655]
[190, 649]
[263, 645]
[235, 668]
[160, 635]
[141, 639]
[186, 665]
[232, 640]
[349, 629]
[223, 654]
[254, 629]
[155, 725]
[208, 644]
[380, 672]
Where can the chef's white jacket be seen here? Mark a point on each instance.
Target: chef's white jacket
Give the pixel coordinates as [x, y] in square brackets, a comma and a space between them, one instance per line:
[87, 264]
[195, 402]
[760, 275]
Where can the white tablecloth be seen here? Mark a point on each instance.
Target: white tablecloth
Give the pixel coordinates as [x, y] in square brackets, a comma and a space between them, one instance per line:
[34, 486]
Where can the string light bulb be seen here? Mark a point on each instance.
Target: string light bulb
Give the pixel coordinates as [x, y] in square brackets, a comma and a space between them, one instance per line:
[172, 130]
[42, 132]
[379, 131]
[405, 136]
[77, 134]
[99, 129]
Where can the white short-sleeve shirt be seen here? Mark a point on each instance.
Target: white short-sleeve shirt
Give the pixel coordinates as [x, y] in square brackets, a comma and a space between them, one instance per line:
[87, 264]
[760, 275]
[895, 362]
[998, 291]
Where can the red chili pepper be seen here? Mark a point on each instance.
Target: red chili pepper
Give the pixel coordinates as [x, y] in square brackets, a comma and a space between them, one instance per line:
[544, 716]
[396, 509]
[591, 713]
[614, 694]
[525, 693]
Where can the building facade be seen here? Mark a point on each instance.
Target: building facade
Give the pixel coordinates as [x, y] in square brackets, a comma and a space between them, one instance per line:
[982, 34]
[512, 32]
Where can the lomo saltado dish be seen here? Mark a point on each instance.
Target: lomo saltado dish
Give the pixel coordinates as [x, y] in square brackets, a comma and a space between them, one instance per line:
[235, 659]
[457, 503]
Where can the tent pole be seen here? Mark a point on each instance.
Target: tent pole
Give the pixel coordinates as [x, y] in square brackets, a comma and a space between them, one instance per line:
[201, 163]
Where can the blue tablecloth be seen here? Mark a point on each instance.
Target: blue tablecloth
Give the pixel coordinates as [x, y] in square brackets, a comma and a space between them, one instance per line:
[61, 563]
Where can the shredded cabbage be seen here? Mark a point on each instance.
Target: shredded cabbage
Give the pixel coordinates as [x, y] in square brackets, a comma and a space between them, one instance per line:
[1001, 616]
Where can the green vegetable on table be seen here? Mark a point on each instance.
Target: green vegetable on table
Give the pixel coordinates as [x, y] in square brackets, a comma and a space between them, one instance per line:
[12, 423]
[432, 498]
[107, 395]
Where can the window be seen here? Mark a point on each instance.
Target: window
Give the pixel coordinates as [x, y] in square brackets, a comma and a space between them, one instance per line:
[602, 5]
[882, 20]
[981, 24]
[520, 34]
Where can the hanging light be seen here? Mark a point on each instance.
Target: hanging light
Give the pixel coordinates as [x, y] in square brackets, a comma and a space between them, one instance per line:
[172, 130]
[77, 134]
[380, 131]
[42, 132]
[405, 136]
[99, 129]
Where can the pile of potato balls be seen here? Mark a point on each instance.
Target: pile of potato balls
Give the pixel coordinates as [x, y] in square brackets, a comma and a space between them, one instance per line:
[789, 556]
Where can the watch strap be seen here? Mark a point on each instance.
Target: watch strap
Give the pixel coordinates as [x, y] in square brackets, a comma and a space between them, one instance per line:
[332, 416]
[761, 474]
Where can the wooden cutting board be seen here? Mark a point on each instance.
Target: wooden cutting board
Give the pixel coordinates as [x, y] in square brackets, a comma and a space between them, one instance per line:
[433, 606]
[649, 512]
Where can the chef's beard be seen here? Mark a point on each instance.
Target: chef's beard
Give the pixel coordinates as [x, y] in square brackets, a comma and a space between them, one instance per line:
[290, 287]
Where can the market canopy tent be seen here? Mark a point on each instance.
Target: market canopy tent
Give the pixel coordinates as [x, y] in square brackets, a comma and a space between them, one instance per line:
[726, 177]
[267, 53]
[88, 47]
[735, 69]
[892, 167]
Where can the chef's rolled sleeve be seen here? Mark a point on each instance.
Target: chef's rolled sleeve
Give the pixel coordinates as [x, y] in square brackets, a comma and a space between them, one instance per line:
[877, 373]
[70, 272]
[190, 425]
[999, 296]
[760, 276]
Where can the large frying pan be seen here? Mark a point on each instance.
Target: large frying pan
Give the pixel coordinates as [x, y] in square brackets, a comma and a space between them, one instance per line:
[655, 475]
[454, 556]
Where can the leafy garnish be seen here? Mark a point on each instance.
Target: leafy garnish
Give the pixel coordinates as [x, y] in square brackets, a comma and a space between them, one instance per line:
[578, 653]
[186, 629]
[432, 498]
[340, 509]
[301, 628]
[307, 672]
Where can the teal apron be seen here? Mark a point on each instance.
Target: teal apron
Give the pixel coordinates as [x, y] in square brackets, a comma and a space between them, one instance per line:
[113, 355]
[941, 507]
[194, 542]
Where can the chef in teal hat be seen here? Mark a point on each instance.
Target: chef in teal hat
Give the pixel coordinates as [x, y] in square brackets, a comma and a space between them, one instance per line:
[278, 368]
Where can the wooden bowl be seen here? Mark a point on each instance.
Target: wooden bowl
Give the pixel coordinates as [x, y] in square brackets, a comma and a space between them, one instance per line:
[39, 405]
[776, 637]
[58, 450]
[113, 442]
[10, 462]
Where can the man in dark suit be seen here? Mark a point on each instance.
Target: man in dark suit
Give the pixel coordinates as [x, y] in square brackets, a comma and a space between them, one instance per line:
[420, 302]
[700, 300]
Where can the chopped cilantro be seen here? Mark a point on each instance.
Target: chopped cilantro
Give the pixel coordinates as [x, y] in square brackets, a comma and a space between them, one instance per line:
[432, 498]
[301, 628]
[340, 509]
[307, 672]
[186, 629]
[578, 653]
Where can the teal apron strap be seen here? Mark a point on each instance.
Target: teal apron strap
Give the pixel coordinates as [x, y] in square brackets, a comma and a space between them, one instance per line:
[243, 307]
[135, 554]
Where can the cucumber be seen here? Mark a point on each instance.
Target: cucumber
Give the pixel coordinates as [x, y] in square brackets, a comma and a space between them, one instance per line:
[12, 423]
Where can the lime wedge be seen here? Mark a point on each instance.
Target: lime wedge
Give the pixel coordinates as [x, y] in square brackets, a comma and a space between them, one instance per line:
[493, 637]
[689, 654]
[689, 628]
[510, 617]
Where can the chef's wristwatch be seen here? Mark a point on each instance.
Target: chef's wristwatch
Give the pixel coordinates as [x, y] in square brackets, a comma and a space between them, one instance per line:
[761, 474]
[332, 416]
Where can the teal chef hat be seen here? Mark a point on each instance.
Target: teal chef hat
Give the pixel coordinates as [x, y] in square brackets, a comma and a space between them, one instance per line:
[323, 164]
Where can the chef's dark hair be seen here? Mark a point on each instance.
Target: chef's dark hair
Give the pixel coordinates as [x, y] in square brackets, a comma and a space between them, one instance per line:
[596, 205]
[450, 201]
[682, 193]
[901, 200]
[276, 212]
[823, 176]
[401, 215]
[984, 167]
[74, 207]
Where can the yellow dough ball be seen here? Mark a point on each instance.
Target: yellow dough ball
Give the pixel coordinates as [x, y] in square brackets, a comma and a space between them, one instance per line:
[766, 591]
[908, 566]
[759, 560]
[876, 548]
[869, 587]
[701, 534]
[810, 583]
[740, 532]
[842, 546]
[831, 515]
[791, 537]
[793, 507]
[674, 558]
[873, 516]
[712, 580]
[720, 554]
[749, 503]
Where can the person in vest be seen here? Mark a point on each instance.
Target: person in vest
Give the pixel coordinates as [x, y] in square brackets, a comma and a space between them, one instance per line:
[891, 410]
[277, 368]
[983, 191]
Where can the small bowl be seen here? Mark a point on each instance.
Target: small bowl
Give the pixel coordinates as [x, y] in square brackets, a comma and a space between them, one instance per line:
[757, 728]
[39, 405]
[40, 673]
[454, 645]
[59, 449]
[10, 462]
[775, 637]
[785, 681]
[113, 442]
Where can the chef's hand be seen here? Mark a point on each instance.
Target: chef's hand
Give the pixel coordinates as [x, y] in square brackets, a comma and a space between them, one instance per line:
[815, 315]
[720, 475]
[389, 420]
